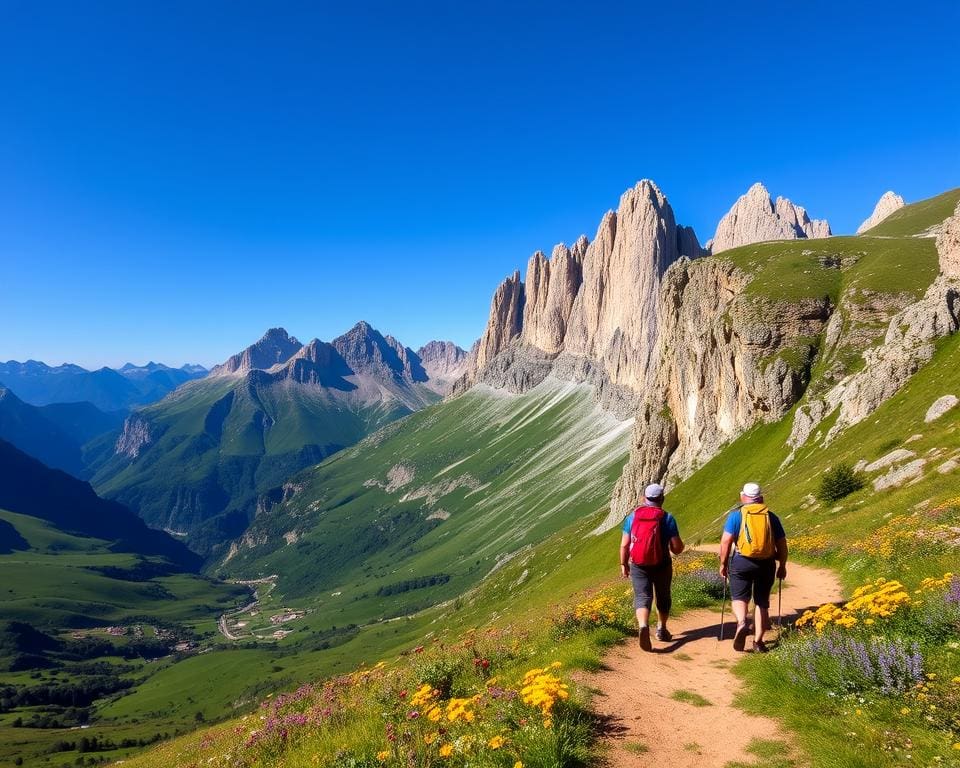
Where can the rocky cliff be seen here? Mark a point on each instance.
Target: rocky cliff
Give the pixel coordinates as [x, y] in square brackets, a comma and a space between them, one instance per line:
[887, 204]
[276, 346]
[695, 349]
[722, 366]
[948, 246]
[755, 218]
[589, 308]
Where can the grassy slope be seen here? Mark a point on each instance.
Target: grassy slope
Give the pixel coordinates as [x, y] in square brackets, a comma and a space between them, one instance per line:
[917, 218]
[215, 454]
[490, 474]
[521, 448]
[526, 587]
[52, 585]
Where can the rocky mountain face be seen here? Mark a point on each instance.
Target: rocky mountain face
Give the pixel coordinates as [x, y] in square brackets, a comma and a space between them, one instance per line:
[684, 345]
[887, 204]
[756, 218]
[948, 246]
[276, 346]
[198, 461]
[505, 321]
[444, 363]
[366, 351]
[590, 309]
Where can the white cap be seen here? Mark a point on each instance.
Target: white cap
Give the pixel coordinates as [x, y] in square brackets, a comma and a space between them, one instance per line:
[653, 491]
[752, 490]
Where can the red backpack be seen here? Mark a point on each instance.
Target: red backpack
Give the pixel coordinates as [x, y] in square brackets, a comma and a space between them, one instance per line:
[646, 543]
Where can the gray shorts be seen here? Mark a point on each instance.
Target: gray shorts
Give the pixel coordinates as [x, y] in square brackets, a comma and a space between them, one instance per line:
[752, 578]
[649, 581]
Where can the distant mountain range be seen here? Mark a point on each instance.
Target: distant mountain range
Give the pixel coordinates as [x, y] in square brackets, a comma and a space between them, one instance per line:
[109, 389]
[199, 462]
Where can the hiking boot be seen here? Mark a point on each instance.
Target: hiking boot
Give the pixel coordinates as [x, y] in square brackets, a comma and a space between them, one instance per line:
[740, 639]
[663, 634]
[760, 647]
[645, 643]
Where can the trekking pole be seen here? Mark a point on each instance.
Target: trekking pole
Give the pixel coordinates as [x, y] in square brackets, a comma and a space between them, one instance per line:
[723, 605]
[779, 608]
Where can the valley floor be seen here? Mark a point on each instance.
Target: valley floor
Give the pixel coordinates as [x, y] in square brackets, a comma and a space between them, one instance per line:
[644, 699]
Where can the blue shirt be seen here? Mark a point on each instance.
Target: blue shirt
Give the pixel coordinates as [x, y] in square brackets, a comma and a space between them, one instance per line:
[732, 526]
[668, 529]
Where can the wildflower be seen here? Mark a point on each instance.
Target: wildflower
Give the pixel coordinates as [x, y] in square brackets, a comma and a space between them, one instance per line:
[383, 755]
[496, 742]
[430, 738]
[446, 750]
[518, 764]
[423, 694]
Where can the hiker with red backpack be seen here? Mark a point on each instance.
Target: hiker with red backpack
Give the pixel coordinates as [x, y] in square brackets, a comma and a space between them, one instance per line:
[759, 543]
[650, 534]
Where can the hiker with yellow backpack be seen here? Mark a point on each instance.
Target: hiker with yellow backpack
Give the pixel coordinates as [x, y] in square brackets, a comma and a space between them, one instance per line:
[759, 542]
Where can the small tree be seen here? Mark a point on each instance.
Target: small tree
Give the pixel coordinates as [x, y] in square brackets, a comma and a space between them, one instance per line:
[839, 481]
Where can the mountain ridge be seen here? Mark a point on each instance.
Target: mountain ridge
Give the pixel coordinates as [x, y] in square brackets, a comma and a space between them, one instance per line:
[268, 411]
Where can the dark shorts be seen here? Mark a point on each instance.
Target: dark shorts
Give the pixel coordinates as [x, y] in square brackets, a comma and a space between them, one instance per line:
[752, 578]
[650, 580]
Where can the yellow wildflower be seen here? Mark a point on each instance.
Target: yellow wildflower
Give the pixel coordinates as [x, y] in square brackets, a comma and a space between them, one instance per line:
[446, 750]
[496, 742]
[383, 755]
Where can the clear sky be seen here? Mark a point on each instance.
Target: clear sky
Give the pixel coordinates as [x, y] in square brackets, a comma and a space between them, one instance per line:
[175, 177]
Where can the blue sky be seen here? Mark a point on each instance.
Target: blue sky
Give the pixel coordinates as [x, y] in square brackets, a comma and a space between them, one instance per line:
[176, 177]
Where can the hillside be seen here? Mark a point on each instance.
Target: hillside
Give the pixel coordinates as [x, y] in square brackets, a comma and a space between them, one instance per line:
[423, 510]
[197, 462]
[874, 297]
[28, 428]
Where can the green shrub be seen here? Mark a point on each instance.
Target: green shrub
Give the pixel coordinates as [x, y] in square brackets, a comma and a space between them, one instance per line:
[837, 482]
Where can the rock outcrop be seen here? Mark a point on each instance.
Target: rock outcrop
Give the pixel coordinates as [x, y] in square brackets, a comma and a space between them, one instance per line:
[137, 434]
[317, 363]
[722, 365]
[551, 288]
[948, 246]
[592, 306]
[444, 363]
[755, 218]
[887, 204]
[504, 323]
[276, 346]
[367, 351]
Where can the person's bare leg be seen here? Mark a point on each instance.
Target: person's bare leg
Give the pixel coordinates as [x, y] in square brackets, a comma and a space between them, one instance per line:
[740, 610]
[643, 617]
[762, 623]
[740, 636]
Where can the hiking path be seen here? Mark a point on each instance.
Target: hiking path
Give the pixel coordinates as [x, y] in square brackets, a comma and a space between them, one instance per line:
[645, 726]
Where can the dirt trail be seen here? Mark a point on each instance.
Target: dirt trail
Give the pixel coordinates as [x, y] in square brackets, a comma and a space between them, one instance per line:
[635, 690]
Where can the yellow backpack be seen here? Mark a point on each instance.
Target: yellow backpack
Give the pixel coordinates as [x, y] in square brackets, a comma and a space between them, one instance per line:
[756, 532]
